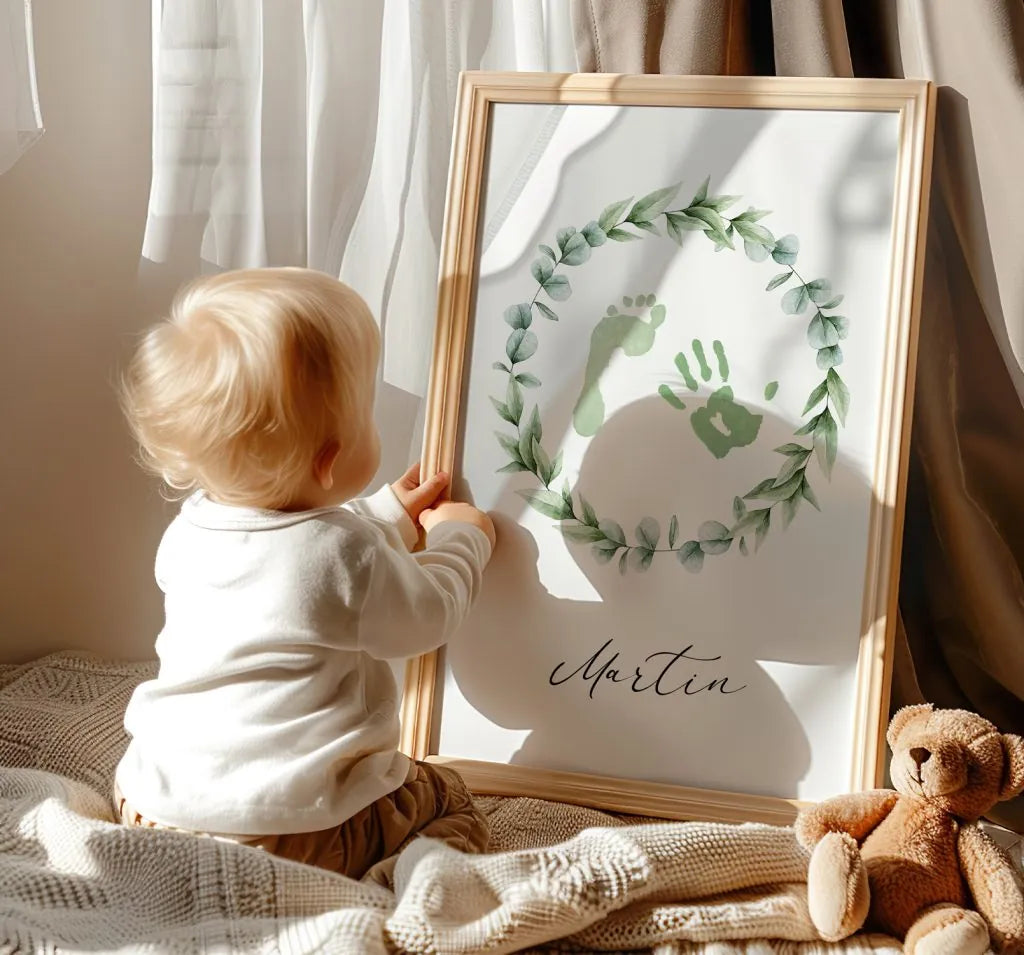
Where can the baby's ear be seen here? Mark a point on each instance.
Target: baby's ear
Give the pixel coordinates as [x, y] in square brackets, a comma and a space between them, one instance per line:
[1013, 771]
[900, 720]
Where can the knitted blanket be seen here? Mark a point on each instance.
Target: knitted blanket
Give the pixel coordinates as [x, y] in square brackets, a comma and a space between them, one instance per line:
[562, 878]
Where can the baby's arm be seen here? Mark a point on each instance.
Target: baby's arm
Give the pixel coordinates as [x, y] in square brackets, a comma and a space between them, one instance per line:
[408, 604]
[400, 504]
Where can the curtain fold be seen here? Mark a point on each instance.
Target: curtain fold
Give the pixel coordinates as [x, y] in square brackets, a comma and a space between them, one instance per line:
[317, 133]
[960, 639]
[21, 122]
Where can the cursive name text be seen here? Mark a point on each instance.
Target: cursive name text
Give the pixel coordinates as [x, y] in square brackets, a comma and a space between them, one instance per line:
[603, 665]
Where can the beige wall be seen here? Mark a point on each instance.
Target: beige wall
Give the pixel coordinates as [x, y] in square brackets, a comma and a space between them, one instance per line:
[78, 522]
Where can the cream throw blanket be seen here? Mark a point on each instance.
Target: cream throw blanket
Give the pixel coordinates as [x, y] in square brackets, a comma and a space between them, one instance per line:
[71, 879]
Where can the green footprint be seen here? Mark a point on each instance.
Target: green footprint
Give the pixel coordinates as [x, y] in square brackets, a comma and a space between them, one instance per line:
[616, 330]
[721, 424]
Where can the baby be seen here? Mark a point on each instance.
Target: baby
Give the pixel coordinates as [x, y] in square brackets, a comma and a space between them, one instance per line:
[273, 719]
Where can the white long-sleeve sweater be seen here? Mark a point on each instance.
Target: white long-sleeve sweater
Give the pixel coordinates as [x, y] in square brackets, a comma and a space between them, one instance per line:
[274, 710]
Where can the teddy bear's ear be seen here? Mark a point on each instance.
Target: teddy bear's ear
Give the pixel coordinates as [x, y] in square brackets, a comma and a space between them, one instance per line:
[1013, 771]
[900, 719]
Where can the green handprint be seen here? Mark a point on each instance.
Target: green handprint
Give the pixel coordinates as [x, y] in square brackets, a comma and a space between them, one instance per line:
[721, 424]
[616, 330]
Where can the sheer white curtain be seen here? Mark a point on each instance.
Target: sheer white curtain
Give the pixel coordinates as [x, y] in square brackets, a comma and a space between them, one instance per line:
[317, 132]
[21, 122]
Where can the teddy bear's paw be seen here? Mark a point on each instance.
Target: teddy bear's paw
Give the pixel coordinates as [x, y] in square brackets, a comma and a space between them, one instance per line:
[837, 887]
[949, 931]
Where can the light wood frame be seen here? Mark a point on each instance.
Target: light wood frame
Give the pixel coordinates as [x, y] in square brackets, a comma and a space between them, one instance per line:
[914, 100]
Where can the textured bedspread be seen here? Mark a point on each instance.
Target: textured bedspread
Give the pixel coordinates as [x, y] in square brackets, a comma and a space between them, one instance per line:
[561, 878]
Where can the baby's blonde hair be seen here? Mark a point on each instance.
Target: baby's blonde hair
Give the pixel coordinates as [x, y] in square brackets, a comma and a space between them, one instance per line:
[250, 375]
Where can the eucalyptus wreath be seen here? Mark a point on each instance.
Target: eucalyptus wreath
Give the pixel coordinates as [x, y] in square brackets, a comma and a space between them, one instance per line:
[753, 513]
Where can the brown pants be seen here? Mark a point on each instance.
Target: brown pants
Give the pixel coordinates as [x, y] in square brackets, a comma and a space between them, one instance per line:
[433, 802]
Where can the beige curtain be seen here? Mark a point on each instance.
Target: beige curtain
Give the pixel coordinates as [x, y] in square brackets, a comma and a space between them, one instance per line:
[961, 639]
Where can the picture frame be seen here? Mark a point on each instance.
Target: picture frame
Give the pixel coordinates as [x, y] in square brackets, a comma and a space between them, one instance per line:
[519, 704]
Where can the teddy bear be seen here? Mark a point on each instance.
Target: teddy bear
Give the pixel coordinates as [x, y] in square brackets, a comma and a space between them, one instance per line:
[913, 862]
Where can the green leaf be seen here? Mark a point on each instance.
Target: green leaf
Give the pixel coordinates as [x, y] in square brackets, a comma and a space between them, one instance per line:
[519, 316]
[720, 203]
[678, 222]
[648, 533]
[786, 249]
[770, 390]
[793, 464]
[547, 503]
[781, 491]
[558, 288]
[514, 399]
[640, 558]
[562, 236]
[541, 270]
[808, 426]
[580, 533]
[512, 467]
[823, 331]
[752, 215]
[814, 397]
[529, 434]
[702, 193]
[739, 509]
[501, 366]
[567, 494]
[576, 250]
[502, 409]
[715, 547]
[820, 290]
[832, 302]
[510, 444]
[673, 531]
[621, 235]
[744, 550]
[761, 531]
[755, 251]
[604, 551]
[826, 442]
[521, 345]
[589, 517]
[795, 300]
[755, 492]
[713, 224]
[613, 532]
[612, 214]
[652, 205]
[805, 490]
[791, 449]
[594, 234]
[556, 466]
[839, 394]
[691, 556]
[829, 357]
[842, 325]
[543, 462]
[647, 227]
[789, 508]
[546, 312]
[779, 279]
[622, 562]
[755, 233]
[711, 531]
[527, 380]
[549, 252]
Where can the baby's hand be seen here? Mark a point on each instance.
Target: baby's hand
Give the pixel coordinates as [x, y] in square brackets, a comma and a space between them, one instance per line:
[415, 496]
[465, 513]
